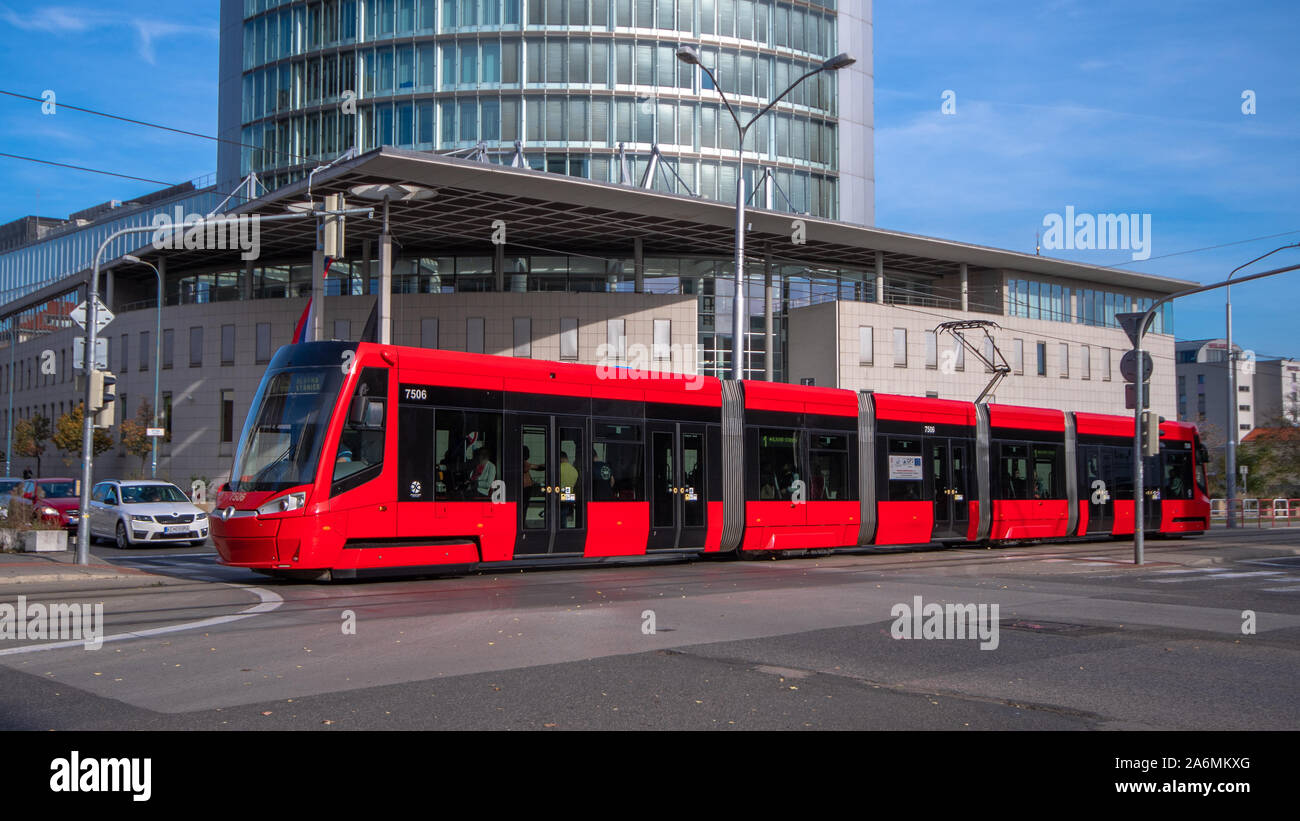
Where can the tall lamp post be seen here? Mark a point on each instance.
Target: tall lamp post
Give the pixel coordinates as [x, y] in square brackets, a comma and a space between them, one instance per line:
[1230, 457]
[690, 56]
[157, 363]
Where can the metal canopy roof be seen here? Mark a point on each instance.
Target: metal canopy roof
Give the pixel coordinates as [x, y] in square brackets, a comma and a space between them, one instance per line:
[551, 213]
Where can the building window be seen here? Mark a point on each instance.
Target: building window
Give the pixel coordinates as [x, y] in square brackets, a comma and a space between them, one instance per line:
[900, 347]
[1243, 388]
[474, 334]
[931, 349]
[1086, 371]
[1200, 379]
[196, 347]
[988, 354]
[1243, 407]
[866, 346]
[616, 339]
[168, 348]
[227, 417]
[569, 338]
[1018, 355]
[263, 342]
[342, 330]
[1105, 364]
[523, 336]
[145, 350]
[1065, 360]
[1042, 358]
[122, 365]
[165, 416]
[663, 337]
[931, 394]
[958, 354]
[429, 332]
[227, 344]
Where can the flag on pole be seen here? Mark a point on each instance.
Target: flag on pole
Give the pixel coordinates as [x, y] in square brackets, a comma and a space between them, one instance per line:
[303, 331]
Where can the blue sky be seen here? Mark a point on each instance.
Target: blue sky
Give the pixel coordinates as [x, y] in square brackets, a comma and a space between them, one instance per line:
[1109, 107]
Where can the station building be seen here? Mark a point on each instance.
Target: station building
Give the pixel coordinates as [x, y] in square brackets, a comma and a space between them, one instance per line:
[523, 262]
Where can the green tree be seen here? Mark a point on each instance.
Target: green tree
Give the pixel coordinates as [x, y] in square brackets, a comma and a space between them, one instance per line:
[134, 433]
[68, 435]
[30, 438]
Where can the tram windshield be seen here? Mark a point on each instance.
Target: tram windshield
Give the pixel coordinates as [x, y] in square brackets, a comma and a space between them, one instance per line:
[285, 430]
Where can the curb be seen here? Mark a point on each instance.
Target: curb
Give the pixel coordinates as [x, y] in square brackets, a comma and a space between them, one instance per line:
[44, 578]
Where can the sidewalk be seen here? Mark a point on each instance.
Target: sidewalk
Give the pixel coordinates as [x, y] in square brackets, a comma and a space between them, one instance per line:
[37, 568]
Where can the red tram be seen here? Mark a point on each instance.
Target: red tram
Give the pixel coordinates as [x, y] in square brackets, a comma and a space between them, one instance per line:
[362, 459]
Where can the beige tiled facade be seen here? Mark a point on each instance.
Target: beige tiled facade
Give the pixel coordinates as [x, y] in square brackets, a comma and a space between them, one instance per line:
[825, 343]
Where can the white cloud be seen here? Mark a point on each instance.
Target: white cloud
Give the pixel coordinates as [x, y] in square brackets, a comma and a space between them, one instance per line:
[72, 20]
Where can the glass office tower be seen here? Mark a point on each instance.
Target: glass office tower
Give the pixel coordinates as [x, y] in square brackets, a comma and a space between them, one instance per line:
[569, 80]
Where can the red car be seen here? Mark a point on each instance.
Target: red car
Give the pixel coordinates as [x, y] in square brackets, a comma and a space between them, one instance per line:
[57, 501]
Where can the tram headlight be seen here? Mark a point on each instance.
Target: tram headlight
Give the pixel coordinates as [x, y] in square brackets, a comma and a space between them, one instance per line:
[283, 504]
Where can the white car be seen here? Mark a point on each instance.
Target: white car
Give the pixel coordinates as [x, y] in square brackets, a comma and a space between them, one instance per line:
[145, 511]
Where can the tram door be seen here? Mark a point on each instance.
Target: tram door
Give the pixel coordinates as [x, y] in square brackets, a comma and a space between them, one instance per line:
[678, 512]
[549, 480]
[1099, 487]
[949, 469]
[1152, 485]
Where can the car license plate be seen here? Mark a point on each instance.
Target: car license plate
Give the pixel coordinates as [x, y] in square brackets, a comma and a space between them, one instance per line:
[175, 529]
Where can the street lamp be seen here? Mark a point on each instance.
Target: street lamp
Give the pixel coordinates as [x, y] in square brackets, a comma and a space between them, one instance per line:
[388, 192]
[690, 56]
[1230, 458]
[157, 363]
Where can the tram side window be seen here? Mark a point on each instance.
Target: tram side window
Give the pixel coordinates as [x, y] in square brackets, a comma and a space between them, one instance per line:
[360, 453]
[468, 448]
[1177, 476]
[906, 471]
[617, 467]
[1048, 460]
[778, 462]
[828, 467]
[1121, 460]
[1013, 471]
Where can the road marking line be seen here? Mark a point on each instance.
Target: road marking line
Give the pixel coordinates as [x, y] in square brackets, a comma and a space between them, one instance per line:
[1217, 577]
[1295, 589]
[270, 600]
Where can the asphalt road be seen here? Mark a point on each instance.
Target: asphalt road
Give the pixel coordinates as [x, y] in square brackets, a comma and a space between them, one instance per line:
[1085, 641]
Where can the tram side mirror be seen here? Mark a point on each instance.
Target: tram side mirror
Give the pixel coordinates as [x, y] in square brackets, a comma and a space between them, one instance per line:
[366, 412]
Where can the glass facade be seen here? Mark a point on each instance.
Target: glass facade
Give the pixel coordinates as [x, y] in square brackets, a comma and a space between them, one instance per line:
[72, 249]
[1031, 299]
[570, 79]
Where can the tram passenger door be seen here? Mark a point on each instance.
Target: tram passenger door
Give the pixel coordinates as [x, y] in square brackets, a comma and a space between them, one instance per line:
[950, 482]
[550, 484]
[1099, 488]
[1153, 485]
[678, 512]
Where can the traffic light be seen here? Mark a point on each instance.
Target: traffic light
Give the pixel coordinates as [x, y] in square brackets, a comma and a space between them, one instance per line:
[1150, 433]
[103, 392]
